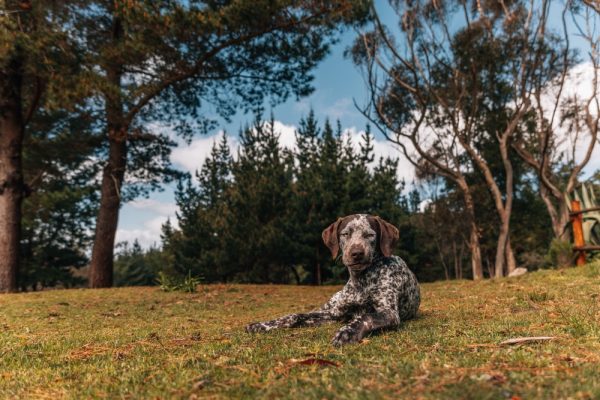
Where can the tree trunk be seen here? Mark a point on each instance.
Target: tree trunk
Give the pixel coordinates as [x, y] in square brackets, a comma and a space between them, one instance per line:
[476, 263]
[474, 246]
[511, 261]
[11, 176]
[560, 218]
[563, 233]
[101, 266]
[504, 209]
[500, 260]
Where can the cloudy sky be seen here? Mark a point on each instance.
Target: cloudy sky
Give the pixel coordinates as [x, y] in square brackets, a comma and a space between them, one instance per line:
[338, 86]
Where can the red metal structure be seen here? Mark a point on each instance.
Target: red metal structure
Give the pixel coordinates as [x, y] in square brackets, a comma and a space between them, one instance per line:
[577, 223]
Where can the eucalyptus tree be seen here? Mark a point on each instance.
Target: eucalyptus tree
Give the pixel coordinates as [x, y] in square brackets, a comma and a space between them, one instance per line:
[565, 112]
[184, 63]
[457, 91]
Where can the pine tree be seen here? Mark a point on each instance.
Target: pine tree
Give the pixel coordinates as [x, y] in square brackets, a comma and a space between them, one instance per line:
[307, 206]
[197, 246]
[358, 185]
[258, 208]
[167, 61]
[38, 69]
[60, 173]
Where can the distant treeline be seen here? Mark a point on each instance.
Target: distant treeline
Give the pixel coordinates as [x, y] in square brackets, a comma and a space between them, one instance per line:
[257, 216]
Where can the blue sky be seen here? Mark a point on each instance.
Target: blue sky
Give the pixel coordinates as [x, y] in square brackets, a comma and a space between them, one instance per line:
[337, 83]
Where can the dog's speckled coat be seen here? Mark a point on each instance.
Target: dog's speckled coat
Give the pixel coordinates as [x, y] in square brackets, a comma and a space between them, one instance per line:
[380, 293]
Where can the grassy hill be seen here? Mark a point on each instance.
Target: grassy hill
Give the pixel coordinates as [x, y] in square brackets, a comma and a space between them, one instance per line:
[141, 342]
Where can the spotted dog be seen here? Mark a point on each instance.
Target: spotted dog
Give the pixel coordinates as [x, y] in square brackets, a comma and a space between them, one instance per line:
[380, 293]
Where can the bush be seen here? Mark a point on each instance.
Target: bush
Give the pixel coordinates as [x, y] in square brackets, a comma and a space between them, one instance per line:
[560, 253]
[174, 283]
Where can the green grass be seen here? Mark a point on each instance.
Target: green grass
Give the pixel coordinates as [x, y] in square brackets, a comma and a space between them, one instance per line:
[144, 343]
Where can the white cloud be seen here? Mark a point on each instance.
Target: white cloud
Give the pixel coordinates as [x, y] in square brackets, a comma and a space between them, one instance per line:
[152, 215]
[191, 157]
[287, 134]
[578, 87]
[155, 206]
[340, 109]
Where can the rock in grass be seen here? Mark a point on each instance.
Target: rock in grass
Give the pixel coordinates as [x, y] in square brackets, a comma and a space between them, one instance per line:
[518, 272]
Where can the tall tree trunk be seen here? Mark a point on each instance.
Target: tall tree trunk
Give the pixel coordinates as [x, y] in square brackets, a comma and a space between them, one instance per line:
[504, 209]
[101, 266]
[511, 261]
[11, 175]
[474, 246]
[476, 262]
[558, 215]
[500, 260]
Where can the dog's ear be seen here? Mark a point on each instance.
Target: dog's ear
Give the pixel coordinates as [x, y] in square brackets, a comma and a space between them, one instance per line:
[388, 236]
[330, 237]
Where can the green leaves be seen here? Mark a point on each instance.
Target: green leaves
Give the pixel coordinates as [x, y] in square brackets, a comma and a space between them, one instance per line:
[258, 216]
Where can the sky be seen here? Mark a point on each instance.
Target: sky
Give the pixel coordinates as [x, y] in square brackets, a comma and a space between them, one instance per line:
[338, 85]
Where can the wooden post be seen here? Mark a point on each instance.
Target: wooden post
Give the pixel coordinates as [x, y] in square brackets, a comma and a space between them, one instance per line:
[577, 221]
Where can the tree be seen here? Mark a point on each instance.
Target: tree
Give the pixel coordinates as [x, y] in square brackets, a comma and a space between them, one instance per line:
[257, 215]
[136, 267]
[310, 204]
[168, 60]
[566, 113]
[60, 170]
[402, 103]
[197, 247]
[456, 88]
[38, 68]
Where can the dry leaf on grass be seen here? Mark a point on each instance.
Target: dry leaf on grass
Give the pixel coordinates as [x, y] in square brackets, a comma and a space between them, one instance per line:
[314, 361]
[521, 340]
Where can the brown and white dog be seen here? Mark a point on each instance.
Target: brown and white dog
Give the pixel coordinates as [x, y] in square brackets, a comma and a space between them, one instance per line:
[380, 293]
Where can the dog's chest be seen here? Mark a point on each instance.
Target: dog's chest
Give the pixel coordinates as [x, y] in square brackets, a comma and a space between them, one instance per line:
[365, 289]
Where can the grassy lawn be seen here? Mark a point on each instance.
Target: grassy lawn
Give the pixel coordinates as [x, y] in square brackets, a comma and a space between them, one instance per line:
[143, 343]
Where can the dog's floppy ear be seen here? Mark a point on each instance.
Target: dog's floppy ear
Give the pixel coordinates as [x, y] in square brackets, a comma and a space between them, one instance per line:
[389, 236]
[330, 237]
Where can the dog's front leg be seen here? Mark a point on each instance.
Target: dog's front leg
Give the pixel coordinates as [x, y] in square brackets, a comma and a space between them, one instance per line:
[292, 321]
[360, 326]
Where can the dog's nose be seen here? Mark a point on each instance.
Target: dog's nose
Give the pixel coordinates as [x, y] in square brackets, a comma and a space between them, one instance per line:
[357, 254]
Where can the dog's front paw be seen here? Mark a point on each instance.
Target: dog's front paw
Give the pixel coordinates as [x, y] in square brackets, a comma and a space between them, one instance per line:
[346, 336]
[257, 327]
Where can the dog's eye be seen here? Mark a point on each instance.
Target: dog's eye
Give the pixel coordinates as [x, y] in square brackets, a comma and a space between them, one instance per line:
[369, 235]
[344, 234]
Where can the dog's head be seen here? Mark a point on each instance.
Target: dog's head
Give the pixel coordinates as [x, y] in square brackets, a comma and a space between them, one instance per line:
[360, 237]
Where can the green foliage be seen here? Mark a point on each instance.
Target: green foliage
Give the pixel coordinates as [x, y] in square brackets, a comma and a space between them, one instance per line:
[560, 253]
[182, 64]
[60, 174]
[171, 283]
[259, 217]
[136, 267]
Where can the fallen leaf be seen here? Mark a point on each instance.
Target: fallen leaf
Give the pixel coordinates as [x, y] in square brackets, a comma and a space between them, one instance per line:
[315, 361]
[497, 378]
[532, 339]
